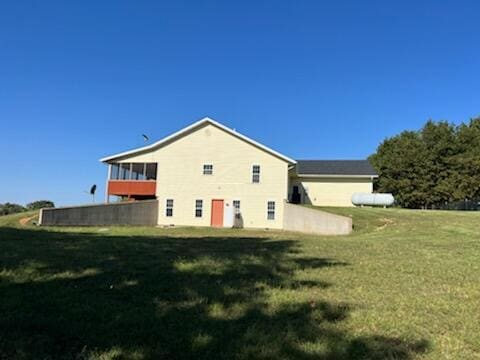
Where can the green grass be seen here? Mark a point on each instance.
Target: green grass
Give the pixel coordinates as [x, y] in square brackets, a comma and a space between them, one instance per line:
[404, 285]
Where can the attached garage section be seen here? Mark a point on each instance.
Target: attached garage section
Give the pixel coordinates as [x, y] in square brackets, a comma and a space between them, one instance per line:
[330, 191]
[330, 182]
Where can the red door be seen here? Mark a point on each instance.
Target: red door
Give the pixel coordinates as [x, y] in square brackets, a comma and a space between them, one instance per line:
[217, 213]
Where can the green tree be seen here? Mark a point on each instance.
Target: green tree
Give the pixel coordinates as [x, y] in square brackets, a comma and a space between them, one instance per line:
[438, 164]
[439, 139]
[401, 164]
[9, 208]
[39, 204]
[467, 161]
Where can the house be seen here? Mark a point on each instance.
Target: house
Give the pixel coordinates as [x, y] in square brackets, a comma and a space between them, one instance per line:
[206, 172]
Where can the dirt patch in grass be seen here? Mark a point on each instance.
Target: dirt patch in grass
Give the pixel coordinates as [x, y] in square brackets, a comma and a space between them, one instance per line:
[386, 222]
[25, 220]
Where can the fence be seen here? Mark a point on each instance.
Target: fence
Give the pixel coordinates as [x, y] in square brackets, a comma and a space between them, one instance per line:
[128, 213]
[467, 205]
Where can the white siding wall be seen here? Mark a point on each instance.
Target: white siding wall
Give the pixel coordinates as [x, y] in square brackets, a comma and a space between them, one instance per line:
[331, 191]
[180, 177]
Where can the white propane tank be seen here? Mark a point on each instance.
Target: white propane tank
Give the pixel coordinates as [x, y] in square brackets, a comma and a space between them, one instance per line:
[360, 199]
[228, 215]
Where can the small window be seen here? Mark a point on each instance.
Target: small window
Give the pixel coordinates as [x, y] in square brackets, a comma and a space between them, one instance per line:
[169, 208]
[114, 171]
[236, 205]
[271, 210]
[125, 171]
[207, 169]
[256, 174]
[198, 208]
[151, 171]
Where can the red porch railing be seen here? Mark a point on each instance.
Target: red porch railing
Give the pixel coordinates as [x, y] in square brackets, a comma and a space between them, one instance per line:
[132, 187]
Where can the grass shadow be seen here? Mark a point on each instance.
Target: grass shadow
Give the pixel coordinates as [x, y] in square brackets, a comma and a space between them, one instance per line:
[85, 295]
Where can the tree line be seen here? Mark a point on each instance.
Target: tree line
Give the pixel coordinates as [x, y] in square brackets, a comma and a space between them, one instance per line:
[428, 168]
[11, 208]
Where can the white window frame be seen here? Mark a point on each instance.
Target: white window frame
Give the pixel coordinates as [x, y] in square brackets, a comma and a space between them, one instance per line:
[271, 210]
[169, 207]
[130, 170]
[239, 204]
[256, 175]
[207, 169]
[198, 208]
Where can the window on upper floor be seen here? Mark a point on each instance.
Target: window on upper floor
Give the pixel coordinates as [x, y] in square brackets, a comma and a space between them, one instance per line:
[114, 171]
[151, 171]
[133, 171]
[138, 171]
[255, 173]
[124, 171]
[207, 169]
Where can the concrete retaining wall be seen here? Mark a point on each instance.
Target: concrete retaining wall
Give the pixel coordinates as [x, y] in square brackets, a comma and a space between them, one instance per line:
[312, 221]
[130, 213]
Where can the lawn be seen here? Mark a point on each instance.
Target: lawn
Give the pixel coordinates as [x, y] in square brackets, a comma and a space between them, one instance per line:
[404, 285]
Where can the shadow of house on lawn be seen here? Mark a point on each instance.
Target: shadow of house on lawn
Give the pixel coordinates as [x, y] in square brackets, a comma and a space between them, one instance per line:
[81, 295]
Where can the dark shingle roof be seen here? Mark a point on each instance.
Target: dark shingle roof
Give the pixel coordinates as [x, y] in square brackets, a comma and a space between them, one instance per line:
[335, 167]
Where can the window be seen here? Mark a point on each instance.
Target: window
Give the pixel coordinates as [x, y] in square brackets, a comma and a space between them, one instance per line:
[236, 205]
[169, 208]
[255, 173]
[151, 171]
[133, 171]
[138, 171]
[271, 210]
[207, 169]
[114, 170]
[198, 208]
[124, 171]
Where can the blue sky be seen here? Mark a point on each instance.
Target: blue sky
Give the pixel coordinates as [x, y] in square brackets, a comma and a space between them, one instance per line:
[311, 79]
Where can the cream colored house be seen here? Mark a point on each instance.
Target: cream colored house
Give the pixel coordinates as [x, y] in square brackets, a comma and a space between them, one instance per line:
[208, 175]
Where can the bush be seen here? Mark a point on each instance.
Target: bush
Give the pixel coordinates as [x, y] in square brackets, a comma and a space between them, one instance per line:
[9, 208]
[35, 205]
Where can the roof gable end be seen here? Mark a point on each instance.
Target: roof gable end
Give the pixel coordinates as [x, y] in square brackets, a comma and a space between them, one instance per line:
[185, 131]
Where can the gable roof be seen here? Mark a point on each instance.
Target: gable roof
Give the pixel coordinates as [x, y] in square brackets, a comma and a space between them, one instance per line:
[356, 168]
[190, 128]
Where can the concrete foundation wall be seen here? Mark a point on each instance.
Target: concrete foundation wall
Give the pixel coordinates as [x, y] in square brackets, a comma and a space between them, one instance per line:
[303, 219]
[131, 213]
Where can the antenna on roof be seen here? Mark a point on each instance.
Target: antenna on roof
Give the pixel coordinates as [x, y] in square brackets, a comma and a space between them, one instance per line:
[145, 137]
